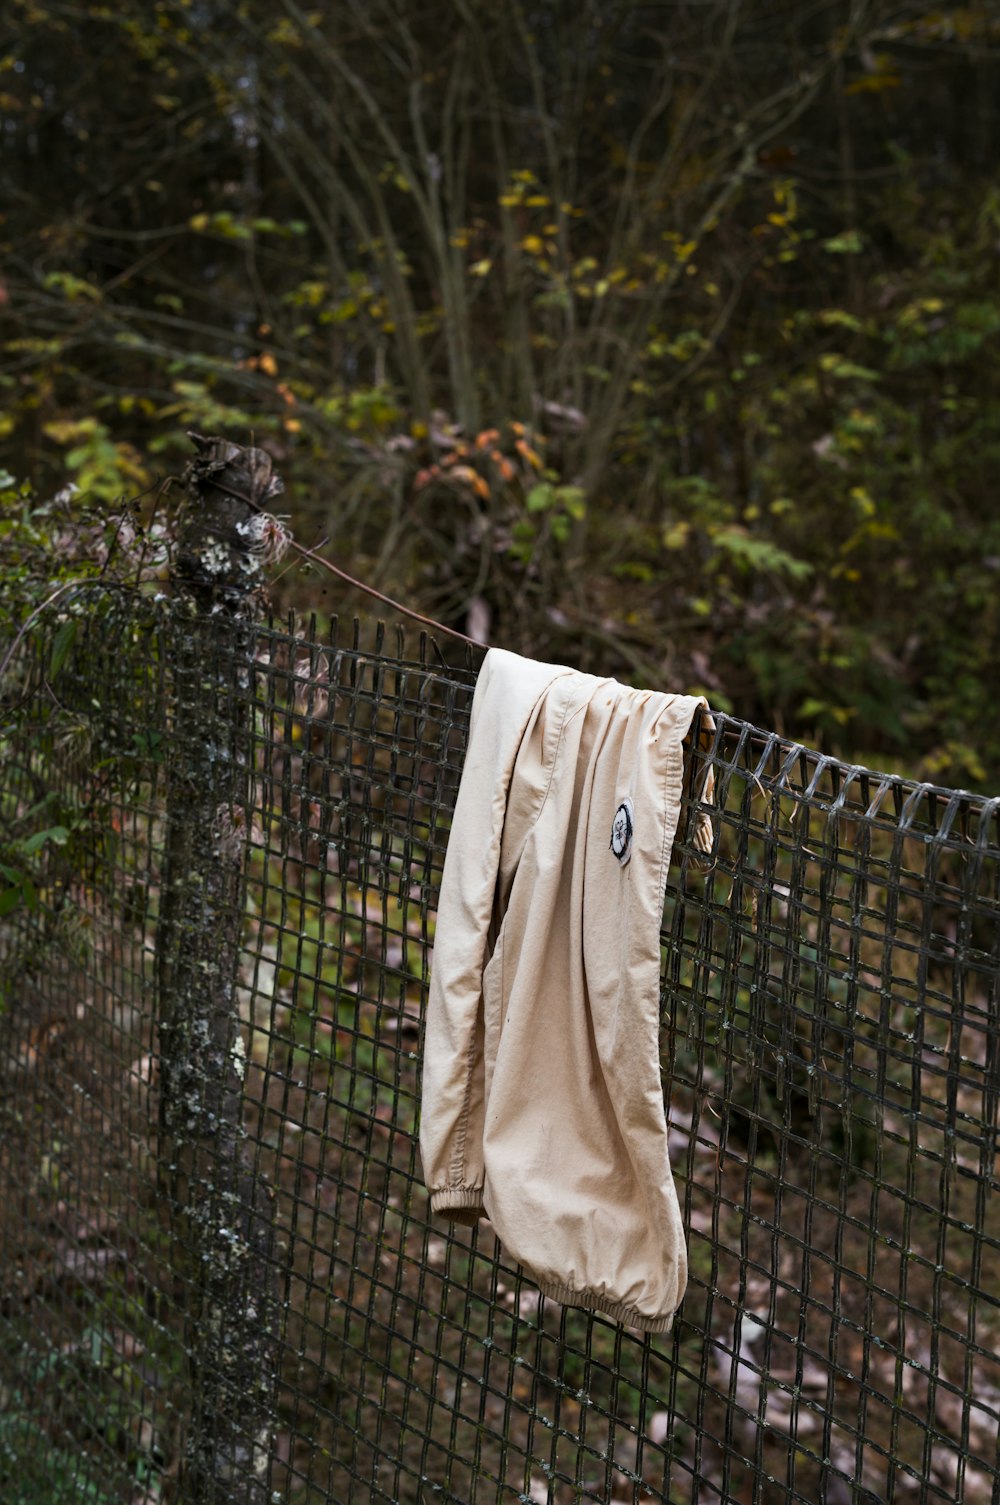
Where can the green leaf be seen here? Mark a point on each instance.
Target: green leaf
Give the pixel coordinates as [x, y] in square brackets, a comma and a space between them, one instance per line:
[634, 569]
[760, 554]
[56, 834]
[847, 243]
[836, 365]
[574, 500]
[832, 318]
[61, 645]
[10, 898]
[540, 498]
[74, 289]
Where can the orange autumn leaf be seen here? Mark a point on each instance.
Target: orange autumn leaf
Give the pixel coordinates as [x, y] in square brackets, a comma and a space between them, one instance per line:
[527, 453]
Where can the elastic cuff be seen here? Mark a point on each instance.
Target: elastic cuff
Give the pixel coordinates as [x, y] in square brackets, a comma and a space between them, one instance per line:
[462, 1204]
[618, 1310]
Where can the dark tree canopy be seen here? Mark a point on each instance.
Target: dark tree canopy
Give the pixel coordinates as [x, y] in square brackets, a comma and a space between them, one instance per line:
[663, 335]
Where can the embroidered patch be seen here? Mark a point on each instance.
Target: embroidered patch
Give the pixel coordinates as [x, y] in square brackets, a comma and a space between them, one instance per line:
[621, 831]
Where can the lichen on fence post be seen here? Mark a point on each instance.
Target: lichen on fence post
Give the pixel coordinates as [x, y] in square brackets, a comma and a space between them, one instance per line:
[221, 1218]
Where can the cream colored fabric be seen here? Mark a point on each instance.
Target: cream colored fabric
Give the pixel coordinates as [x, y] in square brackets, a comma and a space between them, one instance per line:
[542, 1103]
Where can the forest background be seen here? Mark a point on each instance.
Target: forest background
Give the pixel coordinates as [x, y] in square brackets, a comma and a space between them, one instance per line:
[662, 339]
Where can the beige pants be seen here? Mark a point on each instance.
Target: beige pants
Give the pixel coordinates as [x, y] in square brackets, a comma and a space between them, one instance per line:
[542, 1101]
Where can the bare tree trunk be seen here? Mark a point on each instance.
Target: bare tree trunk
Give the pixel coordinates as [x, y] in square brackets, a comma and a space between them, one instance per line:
[223, 1239]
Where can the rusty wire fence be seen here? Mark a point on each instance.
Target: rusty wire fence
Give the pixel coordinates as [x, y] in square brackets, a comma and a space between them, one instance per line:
[220, 850]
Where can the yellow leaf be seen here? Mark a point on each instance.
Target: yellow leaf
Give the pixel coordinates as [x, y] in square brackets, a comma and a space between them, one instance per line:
[874, 84]
[481, 268]
[533, 245]
[65, 430]
[268, 364]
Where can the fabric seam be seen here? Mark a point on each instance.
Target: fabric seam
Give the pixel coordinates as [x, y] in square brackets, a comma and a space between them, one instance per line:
[457, 1165]
[673, 784]
[552, 766]
[458, 1158]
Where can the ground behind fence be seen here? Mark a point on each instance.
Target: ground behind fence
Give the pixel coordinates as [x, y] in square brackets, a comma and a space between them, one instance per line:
[177, 1252]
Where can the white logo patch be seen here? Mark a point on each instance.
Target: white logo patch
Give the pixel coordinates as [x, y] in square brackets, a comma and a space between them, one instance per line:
[621, 831]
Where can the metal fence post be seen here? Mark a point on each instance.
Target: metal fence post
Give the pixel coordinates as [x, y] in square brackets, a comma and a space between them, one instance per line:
[221, 1219]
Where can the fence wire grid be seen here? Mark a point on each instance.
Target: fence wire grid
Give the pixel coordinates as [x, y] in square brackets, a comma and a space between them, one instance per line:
[831, 1068]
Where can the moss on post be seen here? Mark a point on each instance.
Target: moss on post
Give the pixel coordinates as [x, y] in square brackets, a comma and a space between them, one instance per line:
[220, 1210]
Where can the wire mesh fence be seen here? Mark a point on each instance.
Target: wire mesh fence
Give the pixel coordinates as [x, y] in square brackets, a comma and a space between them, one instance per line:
[220, 851]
